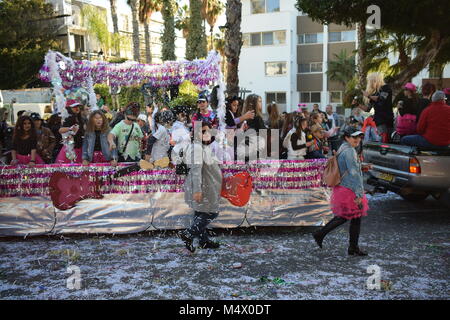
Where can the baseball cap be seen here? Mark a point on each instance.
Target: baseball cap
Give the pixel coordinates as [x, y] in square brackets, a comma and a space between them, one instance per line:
[202, 97]
[410, 86]
[352, 132]
[71, 103]
[142, 117]
[132, 109]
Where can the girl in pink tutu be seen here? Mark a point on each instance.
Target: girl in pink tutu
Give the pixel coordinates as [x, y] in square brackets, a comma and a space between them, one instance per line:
[348, 201]
[25, 143]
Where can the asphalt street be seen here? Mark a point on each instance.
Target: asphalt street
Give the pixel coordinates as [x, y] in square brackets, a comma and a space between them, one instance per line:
[408, 243]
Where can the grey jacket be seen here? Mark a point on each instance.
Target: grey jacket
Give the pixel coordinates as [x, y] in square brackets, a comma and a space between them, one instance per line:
[204, 176]
[350, 169]
[89, 144]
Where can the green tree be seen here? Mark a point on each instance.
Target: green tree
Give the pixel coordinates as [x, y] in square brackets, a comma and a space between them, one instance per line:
[146, 9]
[27, 32]
[427, 19]
[168, 37]
[342, 69]
[196, 46]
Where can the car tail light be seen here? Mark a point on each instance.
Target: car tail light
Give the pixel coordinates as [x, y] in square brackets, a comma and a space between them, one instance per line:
[414, 165]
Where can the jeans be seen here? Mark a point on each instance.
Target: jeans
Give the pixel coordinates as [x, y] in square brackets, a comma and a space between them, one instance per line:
[418, 141]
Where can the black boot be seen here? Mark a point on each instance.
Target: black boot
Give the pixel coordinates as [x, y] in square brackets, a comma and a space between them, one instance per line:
[188, 240]
[209, 245]
[353, 249]
[331, 225]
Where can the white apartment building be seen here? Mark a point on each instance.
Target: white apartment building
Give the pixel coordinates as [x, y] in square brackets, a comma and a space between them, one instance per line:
[268, 64]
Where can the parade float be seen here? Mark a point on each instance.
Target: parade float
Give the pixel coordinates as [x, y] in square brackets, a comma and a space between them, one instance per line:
[276, 192]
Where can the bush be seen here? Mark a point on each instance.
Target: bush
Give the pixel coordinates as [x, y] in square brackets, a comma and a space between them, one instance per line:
[126, 95]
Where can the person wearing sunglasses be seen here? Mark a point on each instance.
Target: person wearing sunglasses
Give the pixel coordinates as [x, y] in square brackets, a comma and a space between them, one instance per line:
[204, 114]
[128, 134]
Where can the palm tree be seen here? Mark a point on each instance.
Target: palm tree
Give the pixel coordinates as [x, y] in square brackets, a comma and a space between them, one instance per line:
[146, 9]
[233, 44]
[196, 44]
[114, 15]
[168, 38]
[343, 68]
[182, 21]
[213, 9]
[134, 4]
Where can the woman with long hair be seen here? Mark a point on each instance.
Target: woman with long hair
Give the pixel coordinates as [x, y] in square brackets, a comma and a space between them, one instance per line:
[378, 95]
[232, 116]
[348, 201]
[24, 147]
[96, 148]
[295, 141]
[45, 138]
[254, 103]
[274, 121]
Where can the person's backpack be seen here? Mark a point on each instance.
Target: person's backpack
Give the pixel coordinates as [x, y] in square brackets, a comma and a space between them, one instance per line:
[331, 175]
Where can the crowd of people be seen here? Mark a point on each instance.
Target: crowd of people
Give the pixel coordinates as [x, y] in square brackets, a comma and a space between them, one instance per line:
[128, 135]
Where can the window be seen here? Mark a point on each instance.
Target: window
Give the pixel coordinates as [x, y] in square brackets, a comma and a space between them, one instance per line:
[310, 67]
[275, 68]
[436, 70]
[279, 37]
[79, 42]
[267, 38]
[258, 6]
[310, 38]
[342, 36]
[255, 39]
[264, 39]
[277, 97]
[263, 6]
[334, 37]
[336, 96]
[313, 97]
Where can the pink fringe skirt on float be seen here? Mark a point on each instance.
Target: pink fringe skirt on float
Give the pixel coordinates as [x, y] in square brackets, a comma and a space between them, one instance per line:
[343, 204]
[26, 159]
[61, 158]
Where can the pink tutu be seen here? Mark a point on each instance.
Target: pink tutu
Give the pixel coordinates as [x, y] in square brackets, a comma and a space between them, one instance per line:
[98, 157]
[343, 203]
[61, 158]
[26, 159]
